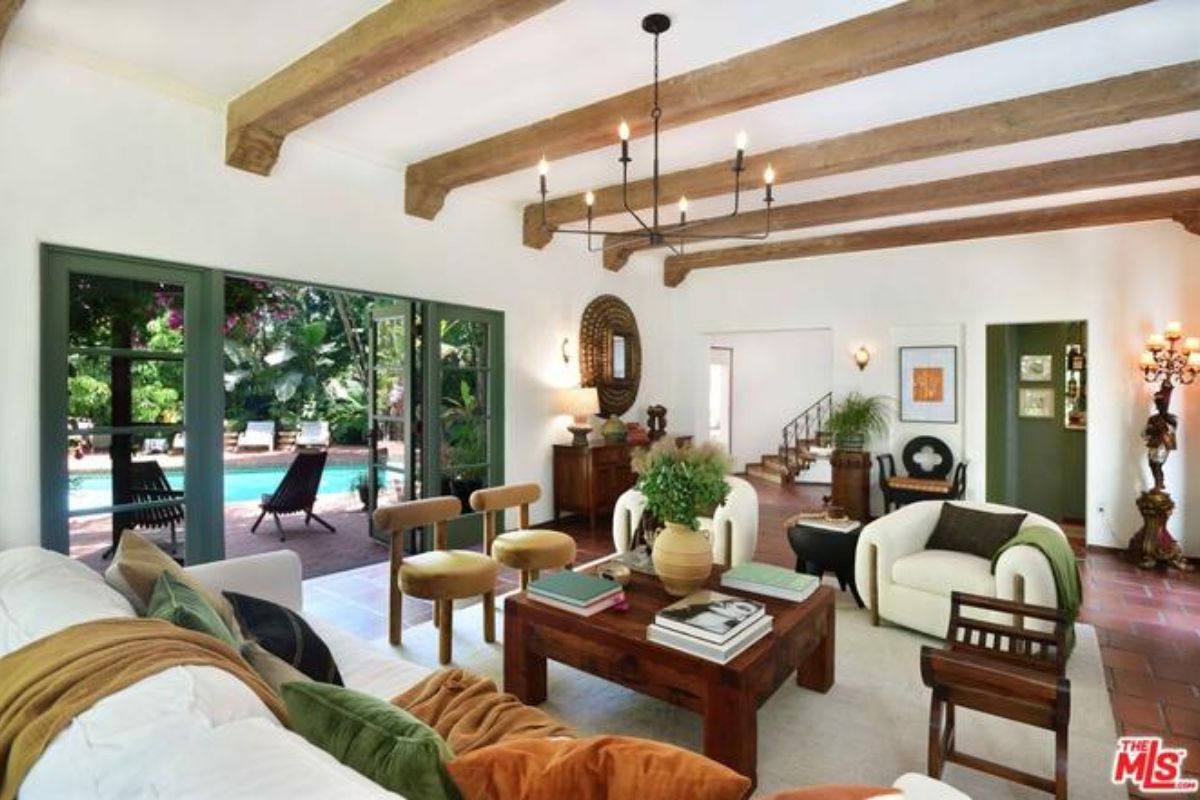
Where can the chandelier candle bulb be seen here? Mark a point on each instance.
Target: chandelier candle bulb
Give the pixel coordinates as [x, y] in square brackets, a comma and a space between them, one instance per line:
[623, 132]
[590, 199]
[1174, 330]
[738, 164]
[769, 180]
[543, 170]
[1156, 341]
[1191, 344]
[1147, 360]
[1193, 361]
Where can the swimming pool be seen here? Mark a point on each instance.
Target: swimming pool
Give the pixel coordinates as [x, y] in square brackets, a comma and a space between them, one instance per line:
[95, 491]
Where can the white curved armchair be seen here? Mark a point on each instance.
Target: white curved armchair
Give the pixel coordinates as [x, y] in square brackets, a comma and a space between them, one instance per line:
[906, 584]
[735, 521]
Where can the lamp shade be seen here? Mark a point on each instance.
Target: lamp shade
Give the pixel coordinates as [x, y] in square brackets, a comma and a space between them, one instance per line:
[580, 403]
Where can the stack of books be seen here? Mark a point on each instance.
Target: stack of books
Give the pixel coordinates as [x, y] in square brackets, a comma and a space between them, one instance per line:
[576, 592]
[770, 580]
[711, 625]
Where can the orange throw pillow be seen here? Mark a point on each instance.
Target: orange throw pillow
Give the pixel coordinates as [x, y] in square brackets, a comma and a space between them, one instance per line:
[837, 792]
[599, 768]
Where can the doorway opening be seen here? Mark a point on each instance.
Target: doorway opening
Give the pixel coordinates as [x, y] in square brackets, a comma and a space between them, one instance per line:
[720, 396]
[1037, 396]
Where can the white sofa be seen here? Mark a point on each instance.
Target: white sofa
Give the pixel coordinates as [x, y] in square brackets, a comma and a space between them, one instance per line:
[735, 521]
[911, 586]
[188, 732]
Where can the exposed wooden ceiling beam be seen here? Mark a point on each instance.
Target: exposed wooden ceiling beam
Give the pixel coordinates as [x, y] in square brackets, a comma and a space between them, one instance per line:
[1082, 215]
[384, 46]
[897, 36]
[1157, 163]
[1190, 220]
[1141, 95]
[8, 11]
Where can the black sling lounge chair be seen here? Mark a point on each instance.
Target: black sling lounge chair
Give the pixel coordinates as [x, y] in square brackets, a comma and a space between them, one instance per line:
[297, 492]
[148, 484]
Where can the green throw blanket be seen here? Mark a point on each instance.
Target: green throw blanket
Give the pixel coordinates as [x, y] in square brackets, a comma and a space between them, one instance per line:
[1063, 566]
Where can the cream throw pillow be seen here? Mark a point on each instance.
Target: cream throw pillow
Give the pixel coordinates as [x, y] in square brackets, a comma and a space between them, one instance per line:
[137, 566]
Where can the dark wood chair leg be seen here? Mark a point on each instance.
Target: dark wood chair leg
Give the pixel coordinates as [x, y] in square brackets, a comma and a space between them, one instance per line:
[257, 522]
[489, 617]
[1060, 763]
[935, 759]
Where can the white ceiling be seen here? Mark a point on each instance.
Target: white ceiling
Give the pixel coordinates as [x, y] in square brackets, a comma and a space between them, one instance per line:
[585, 50]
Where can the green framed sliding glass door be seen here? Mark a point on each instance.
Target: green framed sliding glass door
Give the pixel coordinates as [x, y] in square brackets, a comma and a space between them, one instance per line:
[463, 408]
[132, 401]
[393, 460]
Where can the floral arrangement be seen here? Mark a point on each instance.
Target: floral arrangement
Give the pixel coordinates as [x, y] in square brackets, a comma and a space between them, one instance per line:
[679, 483]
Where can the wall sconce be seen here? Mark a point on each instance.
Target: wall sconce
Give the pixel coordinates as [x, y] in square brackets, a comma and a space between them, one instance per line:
[862, 357]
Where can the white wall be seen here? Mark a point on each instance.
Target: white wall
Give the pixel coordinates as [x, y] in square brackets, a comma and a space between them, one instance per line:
[89, 160]
[776, 375]
[1126, 281]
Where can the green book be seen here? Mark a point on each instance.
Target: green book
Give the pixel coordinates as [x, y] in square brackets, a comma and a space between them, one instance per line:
[576, 588]
[770, 580]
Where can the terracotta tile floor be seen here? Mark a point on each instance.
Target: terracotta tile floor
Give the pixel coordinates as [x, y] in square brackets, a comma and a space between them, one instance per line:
[1148, 622]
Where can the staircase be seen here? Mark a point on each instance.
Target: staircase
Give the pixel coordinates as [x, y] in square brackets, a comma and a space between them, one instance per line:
[794, 456]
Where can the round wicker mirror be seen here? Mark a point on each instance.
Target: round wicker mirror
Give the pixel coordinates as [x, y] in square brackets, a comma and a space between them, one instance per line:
[610, 353]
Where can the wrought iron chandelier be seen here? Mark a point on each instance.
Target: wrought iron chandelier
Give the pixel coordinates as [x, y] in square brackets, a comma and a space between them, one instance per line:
[675, 236]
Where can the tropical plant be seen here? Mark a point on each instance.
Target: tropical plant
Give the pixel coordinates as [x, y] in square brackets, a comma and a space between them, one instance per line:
[857, 417]
[679, 483]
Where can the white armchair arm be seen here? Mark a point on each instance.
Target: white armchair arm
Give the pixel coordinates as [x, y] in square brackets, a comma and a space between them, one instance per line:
[894, 536]
[627, 513]
[274, 576]
[1026, 567]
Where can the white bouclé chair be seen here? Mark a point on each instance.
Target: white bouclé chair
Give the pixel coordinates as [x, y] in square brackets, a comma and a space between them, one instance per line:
[734, 524]
[904, 583]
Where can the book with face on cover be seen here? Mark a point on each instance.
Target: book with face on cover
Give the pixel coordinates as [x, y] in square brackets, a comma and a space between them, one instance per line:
[711, 616]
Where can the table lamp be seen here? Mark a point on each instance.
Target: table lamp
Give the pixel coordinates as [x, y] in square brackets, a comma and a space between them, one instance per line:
[581, 403]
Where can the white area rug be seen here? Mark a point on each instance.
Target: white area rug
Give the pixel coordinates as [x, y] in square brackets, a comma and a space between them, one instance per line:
[870, 728]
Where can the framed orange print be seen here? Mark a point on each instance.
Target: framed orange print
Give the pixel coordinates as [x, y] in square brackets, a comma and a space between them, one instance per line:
[929, 384]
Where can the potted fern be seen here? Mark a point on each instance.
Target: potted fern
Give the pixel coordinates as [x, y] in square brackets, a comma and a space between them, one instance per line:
[678, 484]
[856, 418]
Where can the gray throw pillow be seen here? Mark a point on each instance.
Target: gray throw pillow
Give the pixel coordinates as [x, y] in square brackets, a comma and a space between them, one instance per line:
[971, 530]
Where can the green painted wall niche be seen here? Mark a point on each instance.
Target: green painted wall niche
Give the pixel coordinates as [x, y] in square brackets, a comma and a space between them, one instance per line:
[1034, 463]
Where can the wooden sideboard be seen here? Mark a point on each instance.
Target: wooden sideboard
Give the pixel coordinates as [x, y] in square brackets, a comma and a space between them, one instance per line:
[588, 480]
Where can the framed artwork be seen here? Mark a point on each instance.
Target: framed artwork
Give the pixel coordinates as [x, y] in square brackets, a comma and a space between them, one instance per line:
[1036, 403]
[1036, 368]
[929, 384]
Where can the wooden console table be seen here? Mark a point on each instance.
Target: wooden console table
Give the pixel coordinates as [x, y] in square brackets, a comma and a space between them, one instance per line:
[588, 480]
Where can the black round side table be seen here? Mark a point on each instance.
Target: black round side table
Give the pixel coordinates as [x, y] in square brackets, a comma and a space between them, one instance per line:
[819, 550]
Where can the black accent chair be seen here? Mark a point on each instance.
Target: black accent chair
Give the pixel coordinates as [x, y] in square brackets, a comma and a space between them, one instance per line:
[149, 484]
[297, 492]
[924, 481]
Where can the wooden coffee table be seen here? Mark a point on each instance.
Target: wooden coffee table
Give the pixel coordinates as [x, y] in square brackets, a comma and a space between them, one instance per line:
[613, 645]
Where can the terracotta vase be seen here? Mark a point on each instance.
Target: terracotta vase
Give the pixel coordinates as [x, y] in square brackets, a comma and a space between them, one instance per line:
[682, 558]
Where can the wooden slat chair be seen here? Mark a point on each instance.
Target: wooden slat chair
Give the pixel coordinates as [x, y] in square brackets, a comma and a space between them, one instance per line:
[148, 483]
[525, 550]
[1007, 670]
[296, 492]
[440, 575]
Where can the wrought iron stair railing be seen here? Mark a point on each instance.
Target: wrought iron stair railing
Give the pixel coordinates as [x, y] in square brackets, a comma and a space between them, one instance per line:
[804, 431]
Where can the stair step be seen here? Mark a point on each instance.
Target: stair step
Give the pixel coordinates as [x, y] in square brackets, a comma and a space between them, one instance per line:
[766, 473]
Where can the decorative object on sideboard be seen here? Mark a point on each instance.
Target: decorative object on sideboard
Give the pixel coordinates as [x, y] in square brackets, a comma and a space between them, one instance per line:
[1169, 364]
[672, 236]
[636, 435]
[610, 353]
[581, 403]
[855, 418]
[656, 421]
[614, 430]
[862, 357]
[678, 484]
[929, 384]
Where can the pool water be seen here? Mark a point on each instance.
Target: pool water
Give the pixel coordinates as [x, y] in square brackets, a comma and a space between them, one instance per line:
[95, 491]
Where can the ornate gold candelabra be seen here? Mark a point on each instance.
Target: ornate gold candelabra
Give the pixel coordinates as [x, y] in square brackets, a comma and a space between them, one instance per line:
[1169, 364]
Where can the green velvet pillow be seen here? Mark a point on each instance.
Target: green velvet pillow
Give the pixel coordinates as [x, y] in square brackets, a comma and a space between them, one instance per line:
[181, 604]
[374, 737]
[972, 530]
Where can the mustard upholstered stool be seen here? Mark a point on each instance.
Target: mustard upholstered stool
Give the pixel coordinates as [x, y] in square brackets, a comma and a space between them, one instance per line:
[440, 575]
[528, 551]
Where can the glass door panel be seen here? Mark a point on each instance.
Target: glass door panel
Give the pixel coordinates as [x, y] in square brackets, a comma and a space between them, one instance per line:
[390, 411]
[465, 382]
